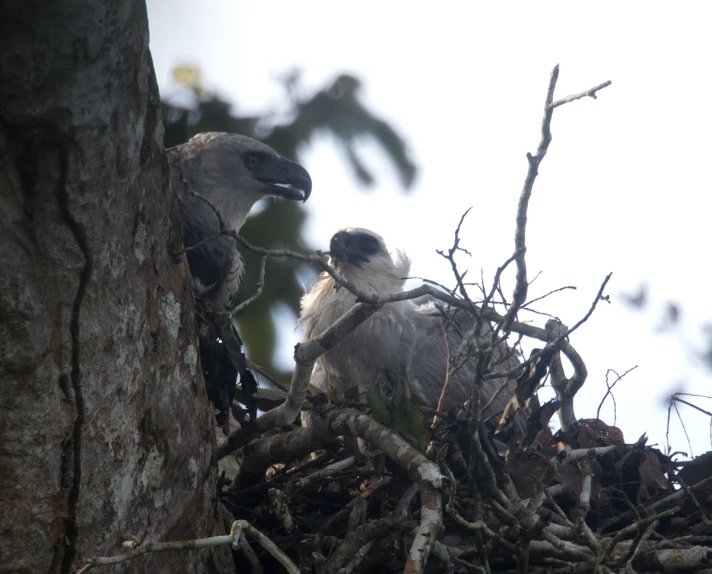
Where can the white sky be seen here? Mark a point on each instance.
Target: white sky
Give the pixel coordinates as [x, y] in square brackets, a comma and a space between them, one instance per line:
[625, 186]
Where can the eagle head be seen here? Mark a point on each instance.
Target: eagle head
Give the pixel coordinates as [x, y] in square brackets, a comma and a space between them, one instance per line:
[361, 256]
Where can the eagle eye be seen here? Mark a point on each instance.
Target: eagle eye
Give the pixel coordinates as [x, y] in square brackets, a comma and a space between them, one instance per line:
[251, 160]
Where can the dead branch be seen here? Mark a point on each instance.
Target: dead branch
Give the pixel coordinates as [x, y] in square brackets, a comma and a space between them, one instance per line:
[238, 528]
[520, 291]
[334, 469]
[609, 391]
[257, 293]
[678, 495]
[591, 93]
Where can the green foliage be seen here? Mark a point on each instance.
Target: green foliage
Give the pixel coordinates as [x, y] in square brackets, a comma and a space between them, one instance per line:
[407, 418]
[334, 110]
[392, 405]
[377, 401]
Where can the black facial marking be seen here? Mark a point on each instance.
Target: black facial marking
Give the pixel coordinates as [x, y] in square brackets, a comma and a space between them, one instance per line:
[366, 244]
[356, 247]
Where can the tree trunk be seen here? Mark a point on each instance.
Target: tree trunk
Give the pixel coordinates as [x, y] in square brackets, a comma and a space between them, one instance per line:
[105, 428]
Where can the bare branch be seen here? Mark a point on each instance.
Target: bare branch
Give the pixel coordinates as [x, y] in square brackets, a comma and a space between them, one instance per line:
[335, 468]
[609, 389]
[257, 293]
[537, 299]
[520, 291]
[263, 373]
[591, 93]
[520, 245]
[622, 533]
[566, 388]
[451, 258]
[479, 525]
[238, 528]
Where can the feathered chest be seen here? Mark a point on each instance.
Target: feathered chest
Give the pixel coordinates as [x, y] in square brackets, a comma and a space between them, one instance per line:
[323, 305]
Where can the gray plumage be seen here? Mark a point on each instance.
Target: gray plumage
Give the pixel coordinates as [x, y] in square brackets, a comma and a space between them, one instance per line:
[233, 172]
[404, 337]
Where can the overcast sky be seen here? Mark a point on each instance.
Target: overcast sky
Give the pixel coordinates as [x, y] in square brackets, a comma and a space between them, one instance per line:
[625, 186]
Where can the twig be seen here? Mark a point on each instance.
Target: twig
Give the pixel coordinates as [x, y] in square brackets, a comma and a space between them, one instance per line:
[588, 93]
[476, 329]
[334, 468]
[520, 246]
[580, 528]
[673, 405]
[637, 544]
[362, 535]
[585, 495]
[258, 292]
[479, 525]
[443, 391]
[279, 506]
[535, 300]
[451, 258]
[470, 567]
[608, 392]
[238, 527]
[263, 373]
[623, 532]
[678, 495]
[694, 500]
[677, 399]
[572, 550]
[566, 388]
[428, 531]
[479, 462]
[695, 558]
[553, 339]
[567, 455]
[505, 384]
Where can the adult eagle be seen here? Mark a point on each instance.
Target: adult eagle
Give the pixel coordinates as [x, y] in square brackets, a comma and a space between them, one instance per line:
[232, 172]
[416, 341]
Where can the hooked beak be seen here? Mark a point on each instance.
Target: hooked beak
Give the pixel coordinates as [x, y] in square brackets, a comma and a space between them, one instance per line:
[291, 181]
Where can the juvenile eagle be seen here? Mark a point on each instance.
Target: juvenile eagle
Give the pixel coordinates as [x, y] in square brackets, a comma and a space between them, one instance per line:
[403, 337]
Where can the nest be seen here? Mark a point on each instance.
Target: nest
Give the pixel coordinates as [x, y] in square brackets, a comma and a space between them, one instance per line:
[581, 501]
